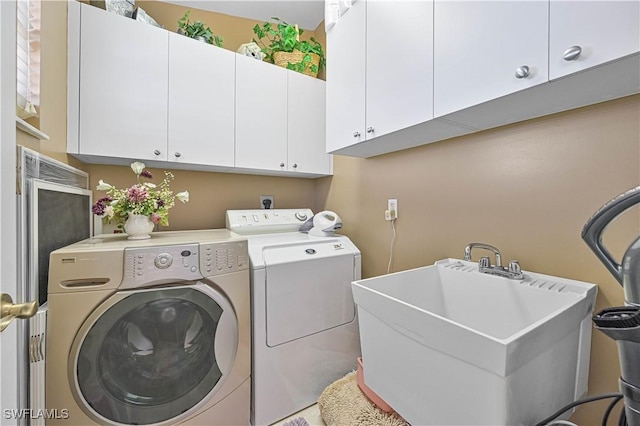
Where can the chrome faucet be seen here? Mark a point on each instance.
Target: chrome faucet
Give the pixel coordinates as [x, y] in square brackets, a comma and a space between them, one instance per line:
[467, 252]
[513, 271]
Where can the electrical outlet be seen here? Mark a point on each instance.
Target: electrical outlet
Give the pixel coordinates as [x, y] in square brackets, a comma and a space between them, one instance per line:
[392, 206]
[266, 202]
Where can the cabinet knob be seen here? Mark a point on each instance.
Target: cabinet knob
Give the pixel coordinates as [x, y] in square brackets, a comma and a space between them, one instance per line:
[281, 164]
[523, 72]
[177, 154]
[369, 129]
[356, 134]
[157, 152]
[295, 165]
[572, 53]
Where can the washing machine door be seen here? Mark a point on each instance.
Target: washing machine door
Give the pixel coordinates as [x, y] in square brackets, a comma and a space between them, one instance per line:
[153, 356]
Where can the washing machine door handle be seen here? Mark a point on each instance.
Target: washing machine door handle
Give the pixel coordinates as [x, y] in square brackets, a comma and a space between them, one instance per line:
[226, 340]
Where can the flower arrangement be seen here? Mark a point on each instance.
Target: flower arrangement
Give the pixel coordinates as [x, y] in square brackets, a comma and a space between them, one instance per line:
[143, 198]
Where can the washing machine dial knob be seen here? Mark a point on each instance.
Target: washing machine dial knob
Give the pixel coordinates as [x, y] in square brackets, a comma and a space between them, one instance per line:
[163, 260]
[301, 215]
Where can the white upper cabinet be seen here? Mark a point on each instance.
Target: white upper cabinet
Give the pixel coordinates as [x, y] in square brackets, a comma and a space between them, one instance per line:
[201, 121]
[138, 92]
[585, 34]
[379, 70]
[261, 115]
[280, 122]
[346, 79]
[123, 87]
[306, 125]
[486, 50]
[399, 65]
[406, 73]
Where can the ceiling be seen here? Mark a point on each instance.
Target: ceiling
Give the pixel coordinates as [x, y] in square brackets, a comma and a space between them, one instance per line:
[306, 13]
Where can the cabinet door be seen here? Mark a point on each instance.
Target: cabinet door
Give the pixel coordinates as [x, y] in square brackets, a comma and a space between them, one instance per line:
[346, 79]
[307, 125]
[201, 98]
[123, 86]
[261, 115]
[603, 30]
[480, 45]
[399, 71]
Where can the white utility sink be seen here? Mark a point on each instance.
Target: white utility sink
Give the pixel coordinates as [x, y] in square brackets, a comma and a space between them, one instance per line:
[448, 345]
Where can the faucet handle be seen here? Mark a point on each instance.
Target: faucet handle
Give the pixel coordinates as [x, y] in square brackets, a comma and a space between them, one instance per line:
[467, 253]
[484, 262]
[515, 271]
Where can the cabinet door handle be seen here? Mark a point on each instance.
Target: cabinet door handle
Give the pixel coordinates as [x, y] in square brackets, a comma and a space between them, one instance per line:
[572, 53]
[356, 134]
[369, 129]
[157, 152]
[523, 72]
[281, 164]
[177, 154]
[295, 165]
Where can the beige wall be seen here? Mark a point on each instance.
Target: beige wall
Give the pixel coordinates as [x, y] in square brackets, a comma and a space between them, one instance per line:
[527, 188]
[211, 194]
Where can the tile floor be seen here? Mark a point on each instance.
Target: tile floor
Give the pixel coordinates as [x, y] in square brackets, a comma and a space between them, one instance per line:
[310, 414]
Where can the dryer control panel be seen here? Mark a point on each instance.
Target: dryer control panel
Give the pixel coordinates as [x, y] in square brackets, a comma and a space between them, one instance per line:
[266, 220]
[184, 262]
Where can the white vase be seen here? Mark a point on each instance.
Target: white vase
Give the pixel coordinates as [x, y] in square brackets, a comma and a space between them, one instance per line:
[138, 227]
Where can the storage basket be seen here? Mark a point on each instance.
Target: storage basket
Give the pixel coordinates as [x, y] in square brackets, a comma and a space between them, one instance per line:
[282, 59]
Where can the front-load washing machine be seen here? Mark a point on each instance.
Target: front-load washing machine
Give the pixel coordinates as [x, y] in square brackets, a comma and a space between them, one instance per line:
[304, 325]
[150, 331]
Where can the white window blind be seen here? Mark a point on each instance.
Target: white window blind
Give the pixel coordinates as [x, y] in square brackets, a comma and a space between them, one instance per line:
[28, 58]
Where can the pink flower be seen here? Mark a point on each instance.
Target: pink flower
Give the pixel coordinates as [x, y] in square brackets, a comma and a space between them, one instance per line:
[137, 194]
[155, 218]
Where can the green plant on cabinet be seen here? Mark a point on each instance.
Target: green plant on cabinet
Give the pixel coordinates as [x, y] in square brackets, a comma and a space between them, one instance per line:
[198, 30]
[281, 36]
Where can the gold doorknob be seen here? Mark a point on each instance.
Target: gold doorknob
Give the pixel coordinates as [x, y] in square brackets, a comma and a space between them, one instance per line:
[9, 310]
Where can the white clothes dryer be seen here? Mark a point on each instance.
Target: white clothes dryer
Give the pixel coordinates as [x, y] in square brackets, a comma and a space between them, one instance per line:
[304, 324]
[150, 331]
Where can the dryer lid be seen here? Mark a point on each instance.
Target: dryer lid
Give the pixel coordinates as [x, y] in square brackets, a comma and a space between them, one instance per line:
[308, 289]
[288, 247]
[304, 251]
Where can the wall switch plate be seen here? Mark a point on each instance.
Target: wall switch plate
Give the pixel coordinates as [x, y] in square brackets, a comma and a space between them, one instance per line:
[266, 202]
[392, 207]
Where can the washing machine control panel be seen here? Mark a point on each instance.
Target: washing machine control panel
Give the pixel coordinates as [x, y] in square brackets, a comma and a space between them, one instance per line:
[185, 262]
[222, 258]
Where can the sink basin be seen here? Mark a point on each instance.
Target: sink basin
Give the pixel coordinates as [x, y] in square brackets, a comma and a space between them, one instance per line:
[448, 345]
